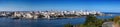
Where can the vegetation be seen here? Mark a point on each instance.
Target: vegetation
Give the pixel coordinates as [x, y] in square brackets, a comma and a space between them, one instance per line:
[92, 21]
[68, 25]
[117, 21]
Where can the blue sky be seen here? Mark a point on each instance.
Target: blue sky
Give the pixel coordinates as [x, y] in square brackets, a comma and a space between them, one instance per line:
[36, 5]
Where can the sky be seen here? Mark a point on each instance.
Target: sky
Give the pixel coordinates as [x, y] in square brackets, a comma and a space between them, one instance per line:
[61, 5]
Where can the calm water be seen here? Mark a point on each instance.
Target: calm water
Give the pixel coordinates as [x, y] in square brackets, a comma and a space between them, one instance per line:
[7, 22]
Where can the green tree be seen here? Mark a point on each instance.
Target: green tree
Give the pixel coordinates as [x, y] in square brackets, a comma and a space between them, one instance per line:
[68, 25]
[90, 19]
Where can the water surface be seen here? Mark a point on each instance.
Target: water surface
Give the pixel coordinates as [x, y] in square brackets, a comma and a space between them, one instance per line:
[8, 22]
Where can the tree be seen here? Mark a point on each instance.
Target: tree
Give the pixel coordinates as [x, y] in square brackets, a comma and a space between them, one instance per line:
[90, 19]
[68, 25]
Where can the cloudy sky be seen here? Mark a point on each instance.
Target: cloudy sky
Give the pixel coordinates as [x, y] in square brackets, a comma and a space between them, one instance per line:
[37, 5]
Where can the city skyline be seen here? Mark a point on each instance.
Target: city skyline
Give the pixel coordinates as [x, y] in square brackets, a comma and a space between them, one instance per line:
[37, 5]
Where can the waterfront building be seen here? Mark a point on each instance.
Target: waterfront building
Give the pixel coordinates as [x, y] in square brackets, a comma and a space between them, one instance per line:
[15, 14]
[28, 15]
[48, 14]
